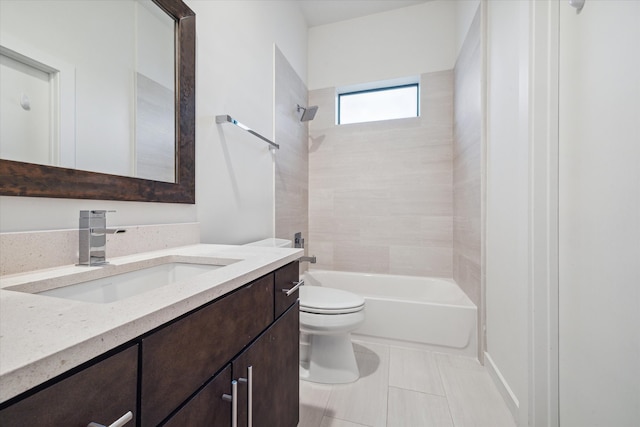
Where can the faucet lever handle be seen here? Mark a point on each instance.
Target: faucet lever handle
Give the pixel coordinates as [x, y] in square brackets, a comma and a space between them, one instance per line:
[92, 231]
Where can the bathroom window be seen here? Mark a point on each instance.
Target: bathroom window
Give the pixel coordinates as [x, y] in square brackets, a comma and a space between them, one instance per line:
[386, 103]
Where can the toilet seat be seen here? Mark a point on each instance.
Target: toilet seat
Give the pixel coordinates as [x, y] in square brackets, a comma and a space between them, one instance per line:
[319, 300]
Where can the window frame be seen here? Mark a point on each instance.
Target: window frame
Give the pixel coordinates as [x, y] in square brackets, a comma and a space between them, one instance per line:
[378, 89]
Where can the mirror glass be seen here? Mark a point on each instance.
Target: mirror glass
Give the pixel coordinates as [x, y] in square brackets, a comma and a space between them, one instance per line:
[89, 85]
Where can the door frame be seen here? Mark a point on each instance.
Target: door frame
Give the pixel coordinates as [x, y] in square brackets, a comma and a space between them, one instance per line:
[543, 286]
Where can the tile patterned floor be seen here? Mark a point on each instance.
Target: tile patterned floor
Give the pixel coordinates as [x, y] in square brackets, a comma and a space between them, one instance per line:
[402, 387]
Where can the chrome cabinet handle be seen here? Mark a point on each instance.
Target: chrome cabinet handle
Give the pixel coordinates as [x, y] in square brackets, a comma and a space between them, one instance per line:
[250, 392]
[117, 423]
[295, 288]
[249, 381]
[233, 398]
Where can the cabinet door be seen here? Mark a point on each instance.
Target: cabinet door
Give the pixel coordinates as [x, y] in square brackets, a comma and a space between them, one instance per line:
[178, 359]
[274, 360]
[207, 408]
[101, 393]
[285, 278]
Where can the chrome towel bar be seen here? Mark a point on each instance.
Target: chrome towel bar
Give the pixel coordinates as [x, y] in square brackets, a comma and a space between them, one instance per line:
[228, 119]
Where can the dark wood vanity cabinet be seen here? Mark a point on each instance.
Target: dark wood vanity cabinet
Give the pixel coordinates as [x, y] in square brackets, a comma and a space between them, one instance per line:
[100, 393]
[177, 374]
[272, 359]
[273, 362]
[179, 358]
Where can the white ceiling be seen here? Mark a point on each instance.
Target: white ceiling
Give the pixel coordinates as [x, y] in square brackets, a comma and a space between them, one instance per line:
[320, 12]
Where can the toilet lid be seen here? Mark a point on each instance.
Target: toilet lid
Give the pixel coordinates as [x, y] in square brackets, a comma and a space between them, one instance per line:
[317, 299]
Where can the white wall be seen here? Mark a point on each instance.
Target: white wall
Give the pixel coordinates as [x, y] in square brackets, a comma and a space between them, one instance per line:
[235, 178]
[599, 287]
[464, 14]
[399, 43]
[507, 205]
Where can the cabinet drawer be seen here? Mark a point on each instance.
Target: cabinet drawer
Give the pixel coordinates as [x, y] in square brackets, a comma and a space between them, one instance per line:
[285, 278]
[180, 358]
[101, 393]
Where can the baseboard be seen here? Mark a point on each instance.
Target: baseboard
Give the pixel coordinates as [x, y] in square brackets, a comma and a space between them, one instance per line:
[509, 398]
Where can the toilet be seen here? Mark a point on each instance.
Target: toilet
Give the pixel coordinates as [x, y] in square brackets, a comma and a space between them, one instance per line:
[327, 317]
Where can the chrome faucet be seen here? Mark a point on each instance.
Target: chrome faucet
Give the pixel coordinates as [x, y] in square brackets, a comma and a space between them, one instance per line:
[92, 232]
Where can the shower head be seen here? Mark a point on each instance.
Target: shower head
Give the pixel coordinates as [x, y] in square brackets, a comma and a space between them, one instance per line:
[308, 113]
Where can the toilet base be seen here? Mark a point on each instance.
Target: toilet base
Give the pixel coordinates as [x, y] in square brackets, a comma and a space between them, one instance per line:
[329, 359]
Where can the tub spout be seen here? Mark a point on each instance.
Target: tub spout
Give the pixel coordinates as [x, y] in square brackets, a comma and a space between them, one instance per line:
[311, 259]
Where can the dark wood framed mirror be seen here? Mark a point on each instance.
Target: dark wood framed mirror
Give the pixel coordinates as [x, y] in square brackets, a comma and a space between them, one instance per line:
[34, 180]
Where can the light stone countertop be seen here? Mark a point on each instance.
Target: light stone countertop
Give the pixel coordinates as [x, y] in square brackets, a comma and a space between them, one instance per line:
[42, 337]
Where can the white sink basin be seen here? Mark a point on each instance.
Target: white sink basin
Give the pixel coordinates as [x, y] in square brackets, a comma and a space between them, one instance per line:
[115, 288]
[116, 282]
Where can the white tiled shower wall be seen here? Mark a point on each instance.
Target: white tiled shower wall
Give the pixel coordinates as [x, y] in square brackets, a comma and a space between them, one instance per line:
[467, 165]
[291, 178]
[381, 193]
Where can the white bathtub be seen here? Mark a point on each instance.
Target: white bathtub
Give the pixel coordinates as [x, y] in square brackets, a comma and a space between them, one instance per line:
[430, 313]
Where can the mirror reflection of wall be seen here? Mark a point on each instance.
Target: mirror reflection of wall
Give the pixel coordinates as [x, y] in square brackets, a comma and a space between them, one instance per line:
[25, 133]
[89, 85]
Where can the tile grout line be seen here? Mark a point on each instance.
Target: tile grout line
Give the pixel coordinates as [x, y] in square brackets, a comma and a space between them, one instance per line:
[418, 391]
[386, 423]
[444, 390]
[350, 422]
[326, 405]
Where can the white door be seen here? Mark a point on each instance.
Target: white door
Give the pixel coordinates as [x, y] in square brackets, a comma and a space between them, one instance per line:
[599, 223]
[25, 113]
